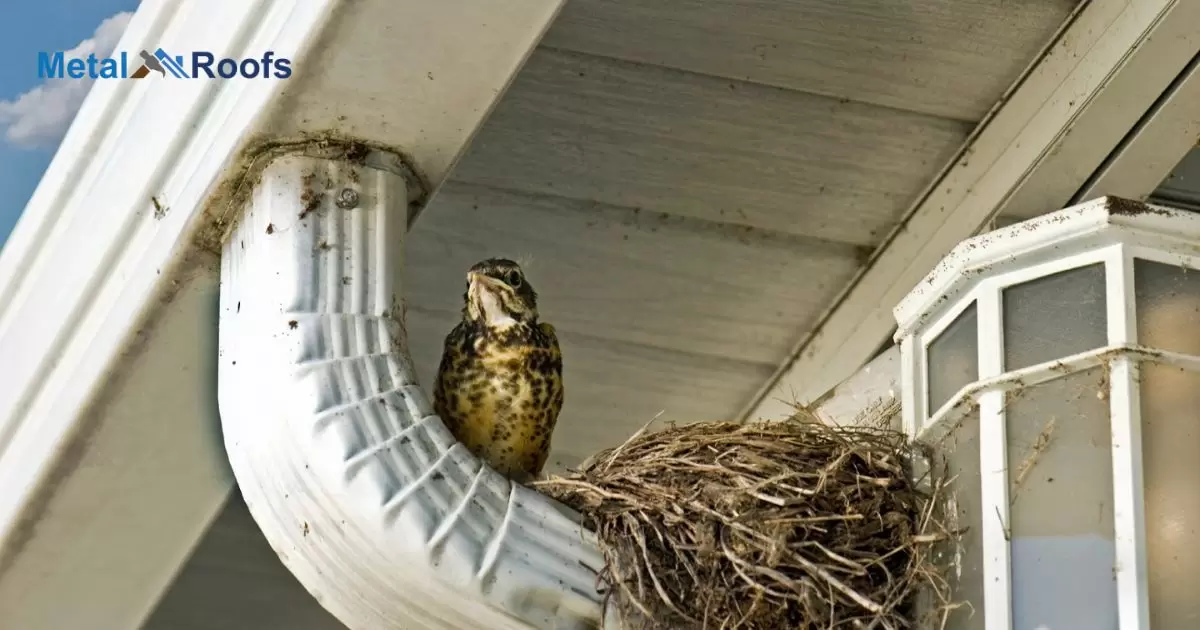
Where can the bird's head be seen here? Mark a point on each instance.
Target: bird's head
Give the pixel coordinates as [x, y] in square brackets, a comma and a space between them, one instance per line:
[498, 294]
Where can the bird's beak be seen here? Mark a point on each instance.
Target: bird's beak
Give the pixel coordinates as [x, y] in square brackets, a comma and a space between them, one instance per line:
[479, 281]
[481, 287]
[474, 281]
[486, 294]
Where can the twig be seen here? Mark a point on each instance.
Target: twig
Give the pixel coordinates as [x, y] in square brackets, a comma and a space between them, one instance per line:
[762, 525]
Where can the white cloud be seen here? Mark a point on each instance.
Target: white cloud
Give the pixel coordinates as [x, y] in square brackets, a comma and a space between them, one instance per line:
[40, 117]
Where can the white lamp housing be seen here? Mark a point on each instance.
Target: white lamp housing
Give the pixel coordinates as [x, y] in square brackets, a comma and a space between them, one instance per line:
[1054, 366]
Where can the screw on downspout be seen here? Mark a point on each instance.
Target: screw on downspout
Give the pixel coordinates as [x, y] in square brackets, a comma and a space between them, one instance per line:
[347, 199]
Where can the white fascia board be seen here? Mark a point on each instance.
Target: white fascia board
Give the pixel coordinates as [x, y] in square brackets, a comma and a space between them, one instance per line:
[1044, 140]
[110, 460]
[1166, 134]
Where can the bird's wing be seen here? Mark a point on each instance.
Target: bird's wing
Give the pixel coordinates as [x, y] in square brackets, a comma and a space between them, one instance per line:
[550, 333]
[552, 343]
[449, 348]
[549, 342]
[556, 352]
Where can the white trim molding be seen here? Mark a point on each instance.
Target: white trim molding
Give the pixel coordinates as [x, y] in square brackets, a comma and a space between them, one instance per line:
[1155, 147]
[1059, 123]
[356, 483]
[110, 462]
[871, 394]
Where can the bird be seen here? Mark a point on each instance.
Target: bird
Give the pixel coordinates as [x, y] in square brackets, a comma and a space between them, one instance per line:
[499, 386]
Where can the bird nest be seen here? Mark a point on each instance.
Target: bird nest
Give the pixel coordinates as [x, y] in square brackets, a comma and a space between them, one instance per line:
[791, 524]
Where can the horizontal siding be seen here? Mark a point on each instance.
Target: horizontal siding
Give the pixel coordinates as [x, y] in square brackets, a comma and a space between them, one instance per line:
[631, 276]
[950, 58]
[662, 140]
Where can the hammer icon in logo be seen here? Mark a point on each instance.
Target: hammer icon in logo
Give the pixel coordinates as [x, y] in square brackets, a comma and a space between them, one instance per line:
[152, 63]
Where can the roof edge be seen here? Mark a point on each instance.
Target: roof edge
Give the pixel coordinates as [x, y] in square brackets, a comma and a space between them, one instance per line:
[102, 246]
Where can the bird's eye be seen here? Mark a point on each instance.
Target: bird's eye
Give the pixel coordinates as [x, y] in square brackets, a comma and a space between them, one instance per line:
[513, 278]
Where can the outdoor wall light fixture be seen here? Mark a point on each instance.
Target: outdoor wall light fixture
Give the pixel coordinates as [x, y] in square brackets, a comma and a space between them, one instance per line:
[1054, 366]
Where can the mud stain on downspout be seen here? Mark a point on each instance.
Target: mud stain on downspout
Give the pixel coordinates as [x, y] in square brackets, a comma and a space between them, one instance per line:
[223, 209]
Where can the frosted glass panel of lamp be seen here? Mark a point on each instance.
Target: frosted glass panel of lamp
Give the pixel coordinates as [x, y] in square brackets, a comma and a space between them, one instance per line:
[1054, 317]
[1168, 307]
[961, 559]
[1060, 492]
[953, 359]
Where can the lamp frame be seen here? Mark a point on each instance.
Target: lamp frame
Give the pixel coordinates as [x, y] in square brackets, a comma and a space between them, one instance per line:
[1110, 231]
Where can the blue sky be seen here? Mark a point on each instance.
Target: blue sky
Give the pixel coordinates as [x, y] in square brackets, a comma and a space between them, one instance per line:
[30, 129]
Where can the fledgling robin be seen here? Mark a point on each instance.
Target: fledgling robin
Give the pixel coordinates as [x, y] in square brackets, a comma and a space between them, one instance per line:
[499, 386]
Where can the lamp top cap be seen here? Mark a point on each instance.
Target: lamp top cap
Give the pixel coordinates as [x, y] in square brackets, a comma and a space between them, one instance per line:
[1058, 234]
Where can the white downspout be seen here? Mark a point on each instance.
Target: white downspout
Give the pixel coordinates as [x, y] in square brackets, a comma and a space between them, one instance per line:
[358, 486]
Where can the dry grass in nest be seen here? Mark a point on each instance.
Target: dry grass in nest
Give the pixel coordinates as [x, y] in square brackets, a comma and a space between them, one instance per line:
[764, 525]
